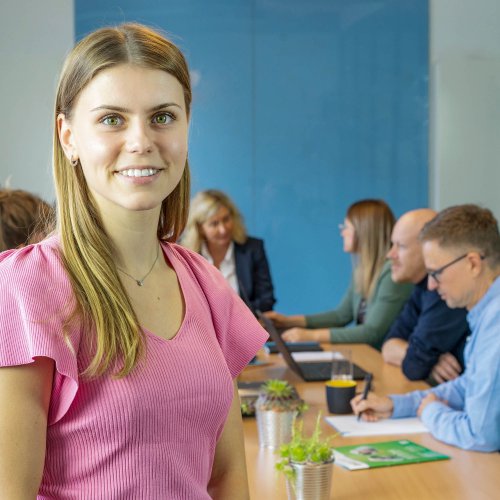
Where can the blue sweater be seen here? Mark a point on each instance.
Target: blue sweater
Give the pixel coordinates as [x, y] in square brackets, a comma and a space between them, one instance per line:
[431, 328]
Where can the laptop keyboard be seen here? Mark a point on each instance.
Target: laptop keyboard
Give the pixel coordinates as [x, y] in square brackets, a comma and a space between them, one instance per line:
[316, 371]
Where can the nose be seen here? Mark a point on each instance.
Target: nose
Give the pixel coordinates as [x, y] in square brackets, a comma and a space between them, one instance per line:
[138, 139]
[222, 229]
[390, 253]
[432, 284]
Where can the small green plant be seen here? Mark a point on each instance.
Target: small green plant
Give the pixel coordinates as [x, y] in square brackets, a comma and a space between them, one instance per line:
[302, 450]
[279, 395]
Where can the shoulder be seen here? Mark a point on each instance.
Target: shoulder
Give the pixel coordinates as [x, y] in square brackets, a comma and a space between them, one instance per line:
[251, 243]
[33, 269]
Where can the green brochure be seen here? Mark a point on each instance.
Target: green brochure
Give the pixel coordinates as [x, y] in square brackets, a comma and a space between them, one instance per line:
[367, 456]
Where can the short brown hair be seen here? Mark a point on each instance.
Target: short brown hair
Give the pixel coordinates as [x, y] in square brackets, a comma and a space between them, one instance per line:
[24, 218]
[465, 227]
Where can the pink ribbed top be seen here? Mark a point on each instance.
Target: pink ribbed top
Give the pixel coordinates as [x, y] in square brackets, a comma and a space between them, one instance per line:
[152, 434]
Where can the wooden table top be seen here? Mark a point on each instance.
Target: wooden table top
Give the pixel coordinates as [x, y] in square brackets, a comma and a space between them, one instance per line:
[467, 476]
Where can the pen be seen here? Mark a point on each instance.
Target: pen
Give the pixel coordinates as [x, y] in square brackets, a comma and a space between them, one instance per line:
[366, 390]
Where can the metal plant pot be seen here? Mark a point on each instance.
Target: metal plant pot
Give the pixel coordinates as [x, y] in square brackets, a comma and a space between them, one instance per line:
[311, 482]
[275, 427]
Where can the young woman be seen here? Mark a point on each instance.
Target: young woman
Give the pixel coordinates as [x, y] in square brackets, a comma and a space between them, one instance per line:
[216, 230]
[119, 349]
[372, 300]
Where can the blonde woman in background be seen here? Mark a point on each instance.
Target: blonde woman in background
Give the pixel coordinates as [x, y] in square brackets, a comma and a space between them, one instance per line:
[372, 300]
[215, 229]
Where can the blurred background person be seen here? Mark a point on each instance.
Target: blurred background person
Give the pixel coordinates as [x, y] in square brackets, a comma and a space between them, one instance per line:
[461, 249]
[24, 218]
[428, 337]
[372, 300]
[215, 229]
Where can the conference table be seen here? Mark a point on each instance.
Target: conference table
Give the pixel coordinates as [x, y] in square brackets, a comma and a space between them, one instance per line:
[466, 476]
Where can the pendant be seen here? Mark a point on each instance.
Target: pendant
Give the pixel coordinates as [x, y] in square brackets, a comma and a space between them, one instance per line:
[139, 282]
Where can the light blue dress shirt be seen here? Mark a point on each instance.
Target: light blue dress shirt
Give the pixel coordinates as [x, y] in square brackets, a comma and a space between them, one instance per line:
[471, 420]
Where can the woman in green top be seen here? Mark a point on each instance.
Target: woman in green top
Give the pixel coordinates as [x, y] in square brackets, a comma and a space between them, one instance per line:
[372, 300]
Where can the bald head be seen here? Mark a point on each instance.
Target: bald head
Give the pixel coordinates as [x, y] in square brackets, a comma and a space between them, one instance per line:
[406, 251]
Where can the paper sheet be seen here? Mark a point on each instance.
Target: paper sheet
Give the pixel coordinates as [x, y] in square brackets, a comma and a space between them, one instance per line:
[348, 426]
[316, 356]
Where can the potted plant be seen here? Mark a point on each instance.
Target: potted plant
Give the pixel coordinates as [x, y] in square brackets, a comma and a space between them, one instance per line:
[276, 407]
[307, 464]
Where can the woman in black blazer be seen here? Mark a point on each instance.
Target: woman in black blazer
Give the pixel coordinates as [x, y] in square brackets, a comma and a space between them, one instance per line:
[215, 229]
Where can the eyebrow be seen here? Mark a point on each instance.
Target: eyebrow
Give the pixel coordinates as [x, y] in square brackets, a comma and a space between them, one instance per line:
[110, 107]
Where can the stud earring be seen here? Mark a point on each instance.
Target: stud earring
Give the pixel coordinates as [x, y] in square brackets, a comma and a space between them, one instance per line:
[74, 161]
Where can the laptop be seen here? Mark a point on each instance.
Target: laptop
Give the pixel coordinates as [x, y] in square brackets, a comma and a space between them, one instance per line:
[309, 371]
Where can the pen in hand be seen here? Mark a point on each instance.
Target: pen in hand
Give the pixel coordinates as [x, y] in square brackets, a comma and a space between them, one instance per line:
[366, 390]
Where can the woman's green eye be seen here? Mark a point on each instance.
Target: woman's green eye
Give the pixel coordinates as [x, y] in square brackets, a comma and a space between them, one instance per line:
[111, 120]
[162, 119]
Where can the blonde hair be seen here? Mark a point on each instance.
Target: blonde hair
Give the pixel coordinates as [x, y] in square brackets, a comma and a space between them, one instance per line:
[373, 221]
[203, 206]
[87, 251]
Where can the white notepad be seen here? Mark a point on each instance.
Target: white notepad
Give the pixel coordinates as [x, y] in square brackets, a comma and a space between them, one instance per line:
[348, 426]
[314, 356]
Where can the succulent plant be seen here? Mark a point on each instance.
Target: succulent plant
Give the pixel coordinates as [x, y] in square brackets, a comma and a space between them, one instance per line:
[279, 395]
[302, 450]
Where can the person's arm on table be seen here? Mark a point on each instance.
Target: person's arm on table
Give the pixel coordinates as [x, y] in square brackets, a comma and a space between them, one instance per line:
[316, 327]
[447, 368]
[25, 395]
[438, 330]
[394, 351]
[283, 321]
[470, 419]
[229, 474]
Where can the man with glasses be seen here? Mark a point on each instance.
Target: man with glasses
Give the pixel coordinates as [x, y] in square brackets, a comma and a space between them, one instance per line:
[461, 249]
[427, 338]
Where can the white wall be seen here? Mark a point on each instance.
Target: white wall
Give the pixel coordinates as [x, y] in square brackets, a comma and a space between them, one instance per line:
[34, 39]
[465, 103]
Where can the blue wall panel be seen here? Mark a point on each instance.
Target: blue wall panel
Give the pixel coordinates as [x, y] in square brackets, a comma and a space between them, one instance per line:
[300, 108]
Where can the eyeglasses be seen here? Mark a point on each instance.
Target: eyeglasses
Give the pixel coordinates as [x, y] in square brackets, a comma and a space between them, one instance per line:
[435, 274]
[342, 227]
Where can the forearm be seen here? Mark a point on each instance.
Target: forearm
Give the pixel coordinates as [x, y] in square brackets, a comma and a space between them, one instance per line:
[229, 475]
[358, 334]
[25, 393]
[468, 431]
[296, 320]
[394, 351]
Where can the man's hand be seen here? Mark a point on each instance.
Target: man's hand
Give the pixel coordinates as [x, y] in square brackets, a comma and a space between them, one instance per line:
[430, 398]
[306, 334]
[373, 407]
[447, 368]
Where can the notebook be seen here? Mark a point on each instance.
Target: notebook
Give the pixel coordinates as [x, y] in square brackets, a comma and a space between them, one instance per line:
[308, 371]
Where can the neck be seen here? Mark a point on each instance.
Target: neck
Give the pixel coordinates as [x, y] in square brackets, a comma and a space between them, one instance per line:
[217, 252]
[134, 237]
[482, 288]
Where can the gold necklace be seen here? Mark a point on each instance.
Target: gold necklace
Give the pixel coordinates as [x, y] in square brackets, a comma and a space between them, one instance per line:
[141, 281]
